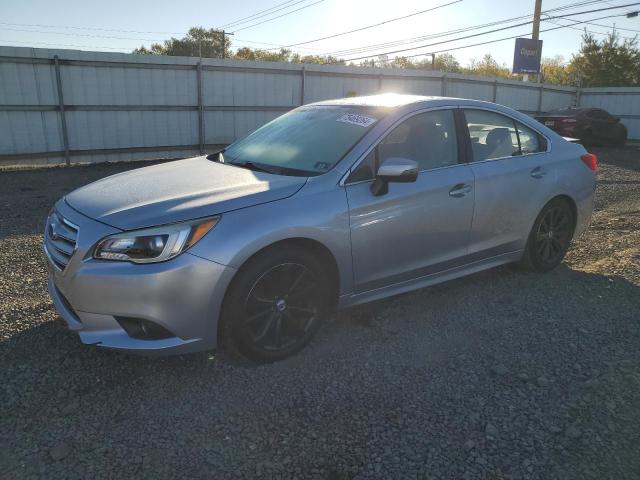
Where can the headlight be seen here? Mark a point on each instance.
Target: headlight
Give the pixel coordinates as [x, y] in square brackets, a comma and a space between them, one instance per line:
[153, 244]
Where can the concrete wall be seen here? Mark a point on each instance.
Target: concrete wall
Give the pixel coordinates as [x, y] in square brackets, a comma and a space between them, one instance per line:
[95, 106]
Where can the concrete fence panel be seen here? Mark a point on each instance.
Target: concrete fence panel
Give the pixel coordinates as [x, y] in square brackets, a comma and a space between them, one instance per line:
[68, 106]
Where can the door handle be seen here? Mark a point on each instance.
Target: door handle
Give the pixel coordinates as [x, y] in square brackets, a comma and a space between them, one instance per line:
[538, 172]
[460, 190]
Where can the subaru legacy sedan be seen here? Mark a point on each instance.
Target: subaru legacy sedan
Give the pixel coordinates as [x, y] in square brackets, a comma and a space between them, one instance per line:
[330, 205]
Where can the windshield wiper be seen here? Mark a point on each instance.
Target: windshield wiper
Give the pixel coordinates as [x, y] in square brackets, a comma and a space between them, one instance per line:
[216, 156]
[258, 167]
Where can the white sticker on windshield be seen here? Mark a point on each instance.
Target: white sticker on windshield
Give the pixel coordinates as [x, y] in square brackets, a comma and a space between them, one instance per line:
[356, 119]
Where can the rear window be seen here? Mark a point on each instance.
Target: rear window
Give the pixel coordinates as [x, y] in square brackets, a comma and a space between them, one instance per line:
[565, 111]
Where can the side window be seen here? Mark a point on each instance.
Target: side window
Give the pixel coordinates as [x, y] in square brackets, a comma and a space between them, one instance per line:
[599, 115]
[428, 138]
[492, 135]
[530, 141]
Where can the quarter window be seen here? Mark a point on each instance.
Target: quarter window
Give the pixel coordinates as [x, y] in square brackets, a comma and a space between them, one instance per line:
[530, 141]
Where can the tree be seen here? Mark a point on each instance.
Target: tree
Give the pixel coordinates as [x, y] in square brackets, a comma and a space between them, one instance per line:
[447, 63]
[247, 53]
[607, 63]
[487, 67]
[555, 70]
[198, 42]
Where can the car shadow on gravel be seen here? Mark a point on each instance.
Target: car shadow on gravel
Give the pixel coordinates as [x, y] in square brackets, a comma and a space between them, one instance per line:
[505, 293]
[627, 157]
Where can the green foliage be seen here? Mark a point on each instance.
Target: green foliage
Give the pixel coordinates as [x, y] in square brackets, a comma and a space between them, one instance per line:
[488, 67]
[198, 42]
[555, 70]
[607, 63]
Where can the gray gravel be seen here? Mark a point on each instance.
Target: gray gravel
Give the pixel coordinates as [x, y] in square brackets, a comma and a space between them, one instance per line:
[501, 375]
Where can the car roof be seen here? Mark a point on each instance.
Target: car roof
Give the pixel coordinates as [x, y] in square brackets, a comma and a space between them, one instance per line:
[389, 100]
[397, 101]
[401, 104]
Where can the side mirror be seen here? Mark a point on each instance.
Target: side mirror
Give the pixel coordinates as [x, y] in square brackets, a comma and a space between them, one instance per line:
[394, 169]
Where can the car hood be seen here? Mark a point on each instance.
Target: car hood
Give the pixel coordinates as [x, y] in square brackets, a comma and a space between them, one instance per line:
[178, 191]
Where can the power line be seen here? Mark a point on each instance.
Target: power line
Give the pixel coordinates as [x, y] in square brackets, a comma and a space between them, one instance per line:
[135, 38]
[593, 32]
[491, 31]
[279, 16]
[263, 13]
[493, 41]
[572, 27]
[407, 56]
[66, 45]
[606, 26]
[375, 25]
[450, 32]
[84, 35]
[75, 27]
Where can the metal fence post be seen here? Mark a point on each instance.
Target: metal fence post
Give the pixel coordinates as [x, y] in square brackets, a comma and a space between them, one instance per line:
[578, 92]
[63, 117]
[303, 80]
[200, 108]
[495, 91]
[444, 85]
[379, 82]
[540, 92]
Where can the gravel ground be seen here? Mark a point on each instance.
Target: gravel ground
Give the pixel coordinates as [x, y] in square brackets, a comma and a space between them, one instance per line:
[500, 375]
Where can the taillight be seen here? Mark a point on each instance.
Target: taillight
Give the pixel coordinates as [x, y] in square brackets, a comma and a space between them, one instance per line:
[590, 160]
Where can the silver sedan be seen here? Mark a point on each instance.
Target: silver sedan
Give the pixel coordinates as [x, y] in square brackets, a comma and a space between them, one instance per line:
[331, 205]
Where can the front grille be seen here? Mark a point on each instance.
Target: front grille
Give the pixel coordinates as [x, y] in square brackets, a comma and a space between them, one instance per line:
[60, 237]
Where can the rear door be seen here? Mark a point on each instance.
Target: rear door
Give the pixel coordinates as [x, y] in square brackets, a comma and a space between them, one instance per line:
[602, 124]
[513, 178]
[418, 228]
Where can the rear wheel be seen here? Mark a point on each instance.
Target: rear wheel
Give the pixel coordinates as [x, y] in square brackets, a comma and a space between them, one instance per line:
[550, 237]
[620, 137]
[276, 304]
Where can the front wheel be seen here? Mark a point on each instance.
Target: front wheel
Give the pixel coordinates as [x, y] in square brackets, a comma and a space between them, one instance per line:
[276, 304]
[550, 237]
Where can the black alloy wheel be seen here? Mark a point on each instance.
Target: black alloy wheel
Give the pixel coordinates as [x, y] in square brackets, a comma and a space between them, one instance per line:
[277, 305]
[281, 307]
[550, 237]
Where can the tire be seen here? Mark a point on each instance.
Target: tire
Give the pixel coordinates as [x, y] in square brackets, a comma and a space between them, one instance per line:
[275, 304]
[550, 237]
[620, 138]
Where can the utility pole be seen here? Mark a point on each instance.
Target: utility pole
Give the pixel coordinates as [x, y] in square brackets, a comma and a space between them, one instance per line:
[433, 61]
[535, 33]
[224, 42]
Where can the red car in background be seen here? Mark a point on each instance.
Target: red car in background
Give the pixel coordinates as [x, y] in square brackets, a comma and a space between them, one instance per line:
[592, 126]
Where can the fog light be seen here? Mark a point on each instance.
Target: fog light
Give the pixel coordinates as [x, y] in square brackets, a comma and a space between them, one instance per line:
[143, 329]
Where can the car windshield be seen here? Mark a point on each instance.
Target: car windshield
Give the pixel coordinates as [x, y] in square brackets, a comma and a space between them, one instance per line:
[306, 141]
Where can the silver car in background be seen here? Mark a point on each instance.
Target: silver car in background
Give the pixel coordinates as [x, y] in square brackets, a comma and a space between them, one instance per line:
[331, 205]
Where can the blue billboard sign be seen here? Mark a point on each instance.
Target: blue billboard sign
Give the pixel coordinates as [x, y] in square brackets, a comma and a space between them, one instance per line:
[526, 56]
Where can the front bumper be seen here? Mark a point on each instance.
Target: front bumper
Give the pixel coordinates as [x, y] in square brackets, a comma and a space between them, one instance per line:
[183, 295]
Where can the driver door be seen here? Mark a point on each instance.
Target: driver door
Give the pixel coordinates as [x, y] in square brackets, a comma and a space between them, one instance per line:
[415, 229]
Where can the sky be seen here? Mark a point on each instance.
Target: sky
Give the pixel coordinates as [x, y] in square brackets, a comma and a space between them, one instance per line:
[91, 25]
